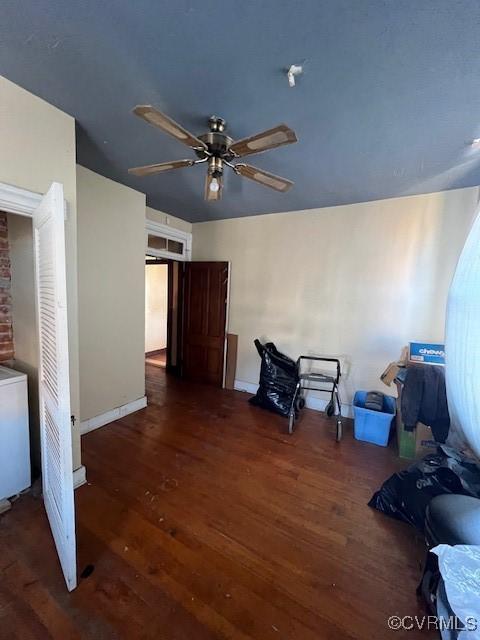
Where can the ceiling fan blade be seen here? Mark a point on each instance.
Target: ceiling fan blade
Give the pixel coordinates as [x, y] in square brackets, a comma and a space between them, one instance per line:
[270, 139]
[213, 194]
[166, 124]
[151, 169]
[263, 177]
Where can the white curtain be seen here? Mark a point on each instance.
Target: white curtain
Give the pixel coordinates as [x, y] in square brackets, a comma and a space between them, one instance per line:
[462, 345]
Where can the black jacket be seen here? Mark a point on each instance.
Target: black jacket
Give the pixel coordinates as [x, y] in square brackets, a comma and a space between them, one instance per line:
[424, 399]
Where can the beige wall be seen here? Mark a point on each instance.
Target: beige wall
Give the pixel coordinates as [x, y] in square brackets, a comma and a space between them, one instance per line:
[166, 218]
[37, 148]
[156, 306]
[111, 261]
[355, 281]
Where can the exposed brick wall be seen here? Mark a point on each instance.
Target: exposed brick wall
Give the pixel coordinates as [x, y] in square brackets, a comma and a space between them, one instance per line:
[6, 330]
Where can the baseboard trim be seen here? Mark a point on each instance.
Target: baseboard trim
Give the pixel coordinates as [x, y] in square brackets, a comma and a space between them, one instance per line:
[312, 402]
[110, 416]
[248, 387]
[79, 477]
[5, 505]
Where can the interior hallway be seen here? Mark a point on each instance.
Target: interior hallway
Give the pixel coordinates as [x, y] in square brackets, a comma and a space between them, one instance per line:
[204, 520]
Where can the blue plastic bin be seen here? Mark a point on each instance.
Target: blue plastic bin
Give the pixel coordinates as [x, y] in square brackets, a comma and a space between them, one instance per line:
[372, 426]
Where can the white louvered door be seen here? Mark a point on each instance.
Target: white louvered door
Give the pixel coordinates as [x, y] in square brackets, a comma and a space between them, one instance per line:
[54, 384]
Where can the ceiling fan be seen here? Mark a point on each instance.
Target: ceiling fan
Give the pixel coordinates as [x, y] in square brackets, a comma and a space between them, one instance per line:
[217, 149]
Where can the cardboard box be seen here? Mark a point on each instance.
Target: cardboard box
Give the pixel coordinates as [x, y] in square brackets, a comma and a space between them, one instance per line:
[231, 368]
[426, 353]
[390, 373]
[424, 440]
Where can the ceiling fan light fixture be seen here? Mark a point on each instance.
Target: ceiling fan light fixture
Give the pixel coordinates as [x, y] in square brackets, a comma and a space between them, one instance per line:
[217, 149]
[213, 182]
[214, 185]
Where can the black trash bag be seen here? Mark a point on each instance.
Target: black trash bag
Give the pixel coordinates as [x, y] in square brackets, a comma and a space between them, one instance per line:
[405, 495]
[278, 379]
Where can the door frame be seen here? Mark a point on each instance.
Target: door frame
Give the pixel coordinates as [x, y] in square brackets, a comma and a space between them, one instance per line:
[167, 257]
[157, 228]
[23, 202]
[19, 201]
[227, 317]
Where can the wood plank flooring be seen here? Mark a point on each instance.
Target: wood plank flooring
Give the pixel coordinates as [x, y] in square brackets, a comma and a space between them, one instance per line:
[203, 519]
[158, 359]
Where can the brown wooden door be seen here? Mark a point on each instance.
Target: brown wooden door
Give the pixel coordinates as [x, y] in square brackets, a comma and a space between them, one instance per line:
[205, 308]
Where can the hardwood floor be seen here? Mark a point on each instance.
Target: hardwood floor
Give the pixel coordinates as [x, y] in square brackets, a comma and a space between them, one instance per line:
[157, 359]
[204, 520]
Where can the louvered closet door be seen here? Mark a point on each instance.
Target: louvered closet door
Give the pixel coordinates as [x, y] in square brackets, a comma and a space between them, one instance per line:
[54, 384]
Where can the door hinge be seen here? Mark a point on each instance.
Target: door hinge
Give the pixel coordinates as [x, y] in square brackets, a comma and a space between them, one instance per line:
[72, 419]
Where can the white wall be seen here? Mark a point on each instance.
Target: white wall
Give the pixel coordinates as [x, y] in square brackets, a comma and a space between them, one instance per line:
[111, 273]
[167, 219]
[156, 306]
[356, 281]
[37, 147]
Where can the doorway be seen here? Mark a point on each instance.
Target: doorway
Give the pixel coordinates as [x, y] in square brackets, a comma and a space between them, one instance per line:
[186, 315]
[18, 313]
[197, 295]
[156, 313]
[50, 335]
[163, 313]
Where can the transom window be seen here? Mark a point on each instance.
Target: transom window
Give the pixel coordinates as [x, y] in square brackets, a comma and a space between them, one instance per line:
[165, 242]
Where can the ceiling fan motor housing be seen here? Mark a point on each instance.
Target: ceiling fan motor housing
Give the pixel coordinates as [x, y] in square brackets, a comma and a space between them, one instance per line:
[217, 124]
[215, 167]
[217, 141]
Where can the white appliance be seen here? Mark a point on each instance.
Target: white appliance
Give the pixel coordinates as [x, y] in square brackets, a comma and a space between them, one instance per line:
[14, 434]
